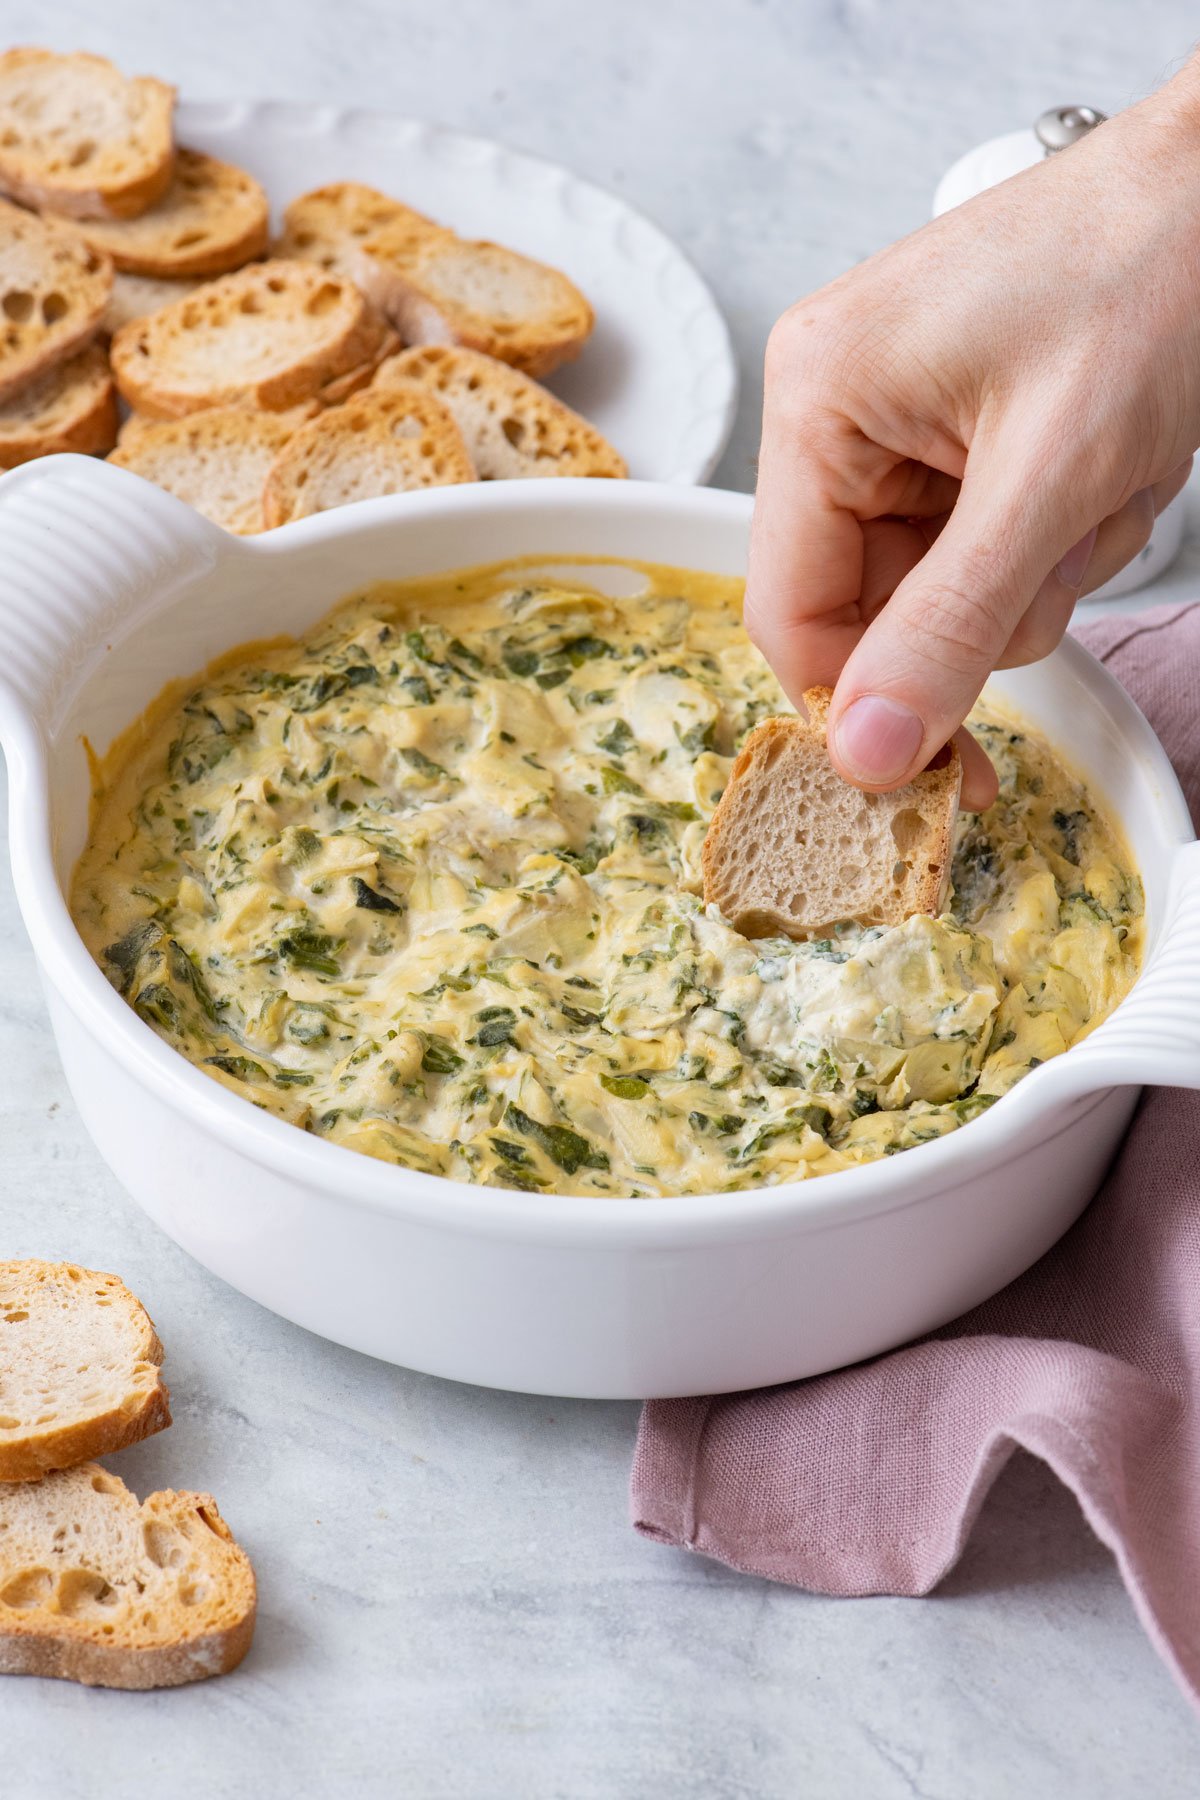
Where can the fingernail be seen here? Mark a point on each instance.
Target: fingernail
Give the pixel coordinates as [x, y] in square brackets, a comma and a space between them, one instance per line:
[878, 739]
[1073, 567]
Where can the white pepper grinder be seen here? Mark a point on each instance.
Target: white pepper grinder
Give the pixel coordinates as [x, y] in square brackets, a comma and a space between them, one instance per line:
[995, 161]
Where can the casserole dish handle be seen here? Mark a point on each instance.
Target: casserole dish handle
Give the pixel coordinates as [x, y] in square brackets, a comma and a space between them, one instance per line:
[87, 550]
[1153, 1037]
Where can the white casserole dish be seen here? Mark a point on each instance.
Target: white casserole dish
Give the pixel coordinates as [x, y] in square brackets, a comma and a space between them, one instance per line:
[111, 588]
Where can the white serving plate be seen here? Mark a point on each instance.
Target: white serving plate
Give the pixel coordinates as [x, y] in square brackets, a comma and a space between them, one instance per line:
[111, 588]
[658, 375]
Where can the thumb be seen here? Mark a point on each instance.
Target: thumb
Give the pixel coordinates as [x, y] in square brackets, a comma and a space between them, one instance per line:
[919, 668]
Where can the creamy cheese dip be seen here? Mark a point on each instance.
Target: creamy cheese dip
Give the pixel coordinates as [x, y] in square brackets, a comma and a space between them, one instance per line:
[425, 884]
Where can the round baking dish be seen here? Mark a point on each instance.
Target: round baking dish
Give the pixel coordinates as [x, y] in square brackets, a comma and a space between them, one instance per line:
[112, 588]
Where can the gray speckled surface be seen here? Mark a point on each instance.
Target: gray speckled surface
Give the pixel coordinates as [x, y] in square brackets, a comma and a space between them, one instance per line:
[452, 1602]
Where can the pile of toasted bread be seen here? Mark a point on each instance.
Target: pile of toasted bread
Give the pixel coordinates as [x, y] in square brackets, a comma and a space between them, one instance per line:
[372, 352]
[94, 1586]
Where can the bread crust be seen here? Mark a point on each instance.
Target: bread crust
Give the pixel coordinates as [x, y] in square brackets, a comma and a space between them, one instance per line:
[406, 275]
[165, 1595]
[335, 328]
[42, 262]
[327, 224]
[342, 387]
[782, 893]
[366, 425]
[31, 1288]
[101, 187]
[212, 218]
[138, 296]
[513, 427]
[78, 411]
[241, 444]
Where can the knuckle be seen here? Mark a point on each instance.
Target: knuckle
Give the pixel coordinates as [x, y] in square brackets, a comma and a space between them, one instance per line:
[960, 626]
[752, 619]
[764, 622]
[1034, 638]
[1140, 527]
[779, 634]
[798, 345]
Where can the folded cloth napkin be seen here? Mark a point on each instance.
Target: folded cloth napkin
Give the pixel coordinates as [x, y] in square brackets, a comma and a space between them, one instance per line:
[868, 1480]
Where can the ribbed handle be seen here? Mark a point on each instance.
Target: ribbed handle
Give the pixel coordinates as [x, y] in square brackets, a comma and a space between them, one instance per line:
[85, 549]
[1153, 1038]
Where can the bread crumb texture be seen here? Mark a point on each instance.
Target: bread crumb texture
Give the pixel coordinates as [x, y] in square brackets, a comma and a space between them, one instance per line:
[98, 1588]
[79, 1367]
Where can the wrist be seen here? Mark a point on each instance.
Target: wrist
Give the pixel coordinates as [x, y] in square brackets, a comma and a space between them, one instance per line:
[1180, 99]
[1169, 119]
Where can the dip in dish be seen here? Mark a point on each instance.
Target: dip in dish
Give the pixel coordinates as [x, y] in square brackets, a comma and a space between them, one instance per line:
[426, 884]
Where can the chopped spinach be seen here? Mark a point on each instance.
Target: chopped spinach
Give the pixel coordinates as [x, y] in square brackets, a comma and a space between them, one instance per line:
[577, 1015]
[616, 781]
[569, 1149]
[128, 951]
[625, 1087]
[723, 1124]
[519, 661]
[307, 1025]
[306, 948]
[440, 1057]
[496, 1027]
[371, 900]
[618, 739]
[1069, 825]
[424, 765]
[244, 1067]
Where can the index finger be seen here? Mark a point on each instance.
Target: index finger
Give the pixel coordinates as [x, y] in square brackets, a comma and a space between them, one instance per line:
[806, 565]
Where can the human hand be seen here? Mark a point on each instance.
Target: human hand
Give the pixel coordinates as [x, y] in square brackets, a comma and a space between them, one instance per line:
[971, 428]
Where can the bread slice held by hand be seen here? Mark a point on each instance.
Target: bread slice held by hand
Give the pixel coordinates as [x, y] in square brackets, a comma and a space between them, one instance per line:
[54, 289]
[327, 225]
[211, 219]
[270, 335]
[513, 428]
[97, 1588]
[385, 443]
[437, 288]
[70, 407]
[79, 138]
[217, 461]
[794, 850]
[79, 1368]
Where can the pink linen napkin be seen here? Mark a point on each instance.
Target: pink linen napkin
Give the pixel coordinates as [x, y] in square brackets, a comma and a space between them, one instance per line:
[868, 1480]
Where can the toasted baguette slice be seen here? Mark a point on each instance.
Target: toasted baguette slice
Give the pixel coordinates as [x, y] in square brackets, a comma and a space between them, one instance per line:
[70, 407]
[79, 1368]
[217, 461]
[54, 289]
[440, 289]
[211, 219]
[327, 225]
[77, 137]
[271, 335]
[97, 1588]
[137, 296]
[513, 428]
[793, 849]
[386, 443]
[335, 392]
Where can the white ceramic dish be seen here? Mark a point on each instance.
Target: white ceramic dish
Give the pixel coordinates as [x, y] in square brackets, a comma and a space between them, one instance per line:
[111, 588]
[658, 376]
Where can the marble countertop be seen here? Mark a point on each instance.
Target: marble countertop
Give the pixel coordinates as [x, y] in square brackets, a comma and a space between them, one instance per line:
[452, 1602]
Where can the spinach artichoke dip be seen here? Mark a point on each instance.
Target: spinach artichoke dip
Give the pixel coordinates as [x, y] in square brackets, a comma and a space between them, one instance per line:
[425, 884]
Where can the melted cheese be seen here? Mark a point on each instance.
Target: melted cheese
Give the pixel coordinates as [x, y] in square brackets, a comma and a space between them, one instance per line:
[426, 884]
